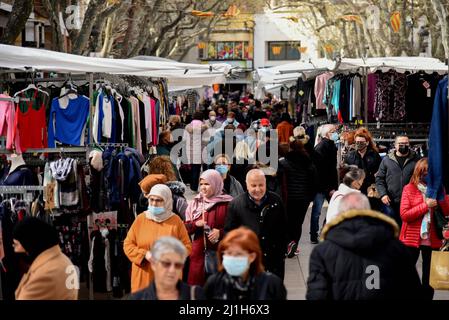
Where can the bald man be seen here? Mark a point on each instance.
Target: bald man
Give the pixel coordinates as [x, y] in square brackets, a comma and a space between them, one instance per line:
[261, 211]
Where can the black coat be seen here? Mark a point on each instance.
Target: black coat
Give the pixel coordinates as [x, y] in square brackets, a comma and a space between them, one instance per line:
[264, 286]
[391, 179]
[343, 266]
[369, 163]
[268, 221]
[185, 290]
[298, 177]
[325, 159]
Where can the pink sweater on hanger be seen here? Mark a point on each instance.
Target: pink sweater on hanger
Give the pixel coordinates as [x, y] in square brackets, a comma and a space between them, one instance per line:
[7, 114]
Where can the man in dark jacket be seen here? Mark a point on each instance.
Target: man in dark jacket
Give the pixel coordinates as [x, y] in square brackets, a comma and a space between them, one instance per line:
[325, 159]
[394, 173]
[361, 257]
[263, 212]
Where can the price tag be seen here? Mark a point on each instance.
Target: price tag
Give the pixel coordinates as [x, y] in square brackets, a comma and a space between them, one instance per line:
[429, 93]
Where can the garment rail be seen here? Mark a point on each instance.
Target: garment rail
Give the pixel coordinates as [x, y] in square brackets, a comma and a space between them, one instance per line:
[19, 189]
[108, 145]
[50, 150]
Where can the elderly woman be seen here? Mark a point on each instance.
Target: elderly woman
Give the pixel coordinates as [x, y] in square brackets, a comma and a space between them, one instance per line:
[157, 221]
[168, 256]
[205, 218]
[51, 276]
[241, 273]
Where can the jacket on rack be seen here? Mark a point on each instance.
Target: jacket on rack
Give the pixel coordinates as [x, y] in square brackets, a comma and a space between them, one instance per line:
[413, 209]
[7, 116]
[391, 178]
[438, 173]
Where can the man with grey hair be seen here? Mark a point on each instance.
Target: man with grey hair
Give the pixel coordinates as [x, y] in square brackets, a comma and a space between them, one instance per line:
[263, 212]
[168, 256]
[354, 201]
[361, 258]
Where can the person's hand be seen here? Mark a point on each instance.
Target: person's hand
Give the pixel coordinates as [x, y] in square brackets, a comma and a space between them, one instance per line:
[431, 202]
[148, 256]
[199, 223]
[386, 200]
[214, 235]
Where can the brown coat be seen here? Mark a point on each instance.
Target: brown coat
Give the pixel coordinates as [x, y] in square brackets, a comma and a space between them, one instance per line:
[285, 131]
[141, 237]
[50, 277]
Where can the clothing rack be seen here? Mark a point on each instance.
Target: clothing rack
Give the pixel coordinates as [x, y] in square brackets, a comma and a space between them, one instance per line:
[19, 189]
[50, 150]
[118, 145]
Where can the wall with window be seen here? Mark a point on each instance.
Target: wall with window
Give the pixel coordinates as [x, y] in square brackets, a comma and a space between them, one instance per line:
[278, 40]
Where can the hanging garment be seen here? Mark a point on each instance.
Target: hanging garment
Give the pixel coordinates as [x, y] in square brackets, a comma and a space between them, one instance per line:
[148, 117]
[21, 176]
[67, 125]
[30, 122]
[51, 192]
[438, 173]
[61, 169]
[420, 95]
[143, 132]
[356, 98]
[372, 85]
[320, 87]
[103, 118]
[7, 116]
[390, 96]
[136, 123]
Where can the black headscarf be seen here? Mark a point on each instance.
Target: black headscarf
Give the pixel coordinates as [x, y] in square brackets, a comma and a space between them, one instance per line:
[35, 236]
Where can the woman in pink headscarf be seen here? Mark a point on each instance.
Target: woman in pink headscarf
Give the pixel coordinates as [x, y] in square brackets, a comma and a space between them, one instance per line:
[205, 218]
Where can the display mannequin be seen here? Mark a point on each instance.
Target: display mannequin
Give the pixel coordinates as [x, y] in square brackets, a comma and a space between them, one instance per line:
[16, 161]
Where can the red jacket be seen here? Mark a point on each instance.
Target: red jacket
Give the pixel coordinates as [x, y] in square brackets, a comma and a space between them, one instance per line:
[413, 209]
[215, 218]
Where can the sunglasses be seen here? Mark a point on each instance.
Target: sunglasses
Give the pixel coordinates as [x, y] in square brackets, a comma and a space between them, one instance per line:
[168, 264]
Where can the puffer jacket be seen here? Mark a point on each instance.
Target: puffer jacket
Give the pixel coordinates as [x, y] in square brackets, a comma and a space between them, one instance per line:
[360, 258]
[413, 209]
[391, 179]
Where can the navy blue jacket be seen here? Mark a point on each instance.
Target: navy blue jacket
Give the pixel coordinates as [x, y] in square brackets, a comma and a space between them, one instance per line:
[438, 173]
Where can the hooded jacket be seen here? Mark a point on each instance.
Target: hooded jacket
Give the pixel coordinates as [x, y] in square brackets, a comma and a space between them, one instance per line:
[391, 179]
[361, 258]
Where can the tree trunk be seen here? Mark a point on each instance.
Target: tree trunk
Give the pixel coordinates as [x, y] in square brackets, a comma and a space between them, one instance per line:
[108, 39]
[130, 31]
[80, 43]
[21, 10]
[441, 13]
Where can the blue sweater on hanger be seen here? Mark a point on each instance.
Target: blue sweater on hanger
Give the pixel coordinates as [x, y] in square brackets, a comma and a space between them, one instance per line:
[438, 144]
[67, 125]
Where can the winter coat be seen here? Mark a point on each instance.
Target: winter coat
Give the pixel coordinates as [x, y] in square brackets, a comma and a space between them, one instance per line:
[192, 140]
[185, 293]
[360, 258]
[48, 278]
[369, 163]
[215, 218]
[178, 190]
[438, 173]
[297, 177]
[285, 131]
[264, 286]
[235, 188]
[268, 221]
[391, 179]
[334, 203]
[325, 159]
[413, 209]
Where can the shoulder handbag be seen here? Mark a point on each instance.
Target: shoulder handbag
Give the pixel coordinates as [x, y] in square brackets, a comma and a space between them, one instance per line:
[440, 220]
[210, 256]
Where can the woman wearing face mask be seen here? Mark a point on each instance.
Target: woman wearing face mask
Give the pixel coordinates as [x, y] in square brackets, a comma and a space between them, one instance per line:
[366, 157]
[50, 269]
[205, 218]
[230, 184]
[241, 273]
[418, 230]
[158, 220]
[352, 178]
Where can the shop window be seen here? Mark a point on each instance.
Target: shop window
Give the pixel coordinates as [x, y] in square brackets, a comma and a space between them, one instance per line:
[230, 50]
[284, 50]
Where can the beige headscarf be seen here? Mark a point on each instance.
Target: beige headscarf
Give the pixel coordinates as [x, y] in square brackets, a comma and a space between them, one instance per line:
[161, 190]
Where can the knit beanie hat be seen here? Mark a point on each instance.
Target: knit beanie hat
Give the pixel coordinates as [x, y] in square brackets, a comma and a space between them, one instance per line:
[35, 235]
[151, 180]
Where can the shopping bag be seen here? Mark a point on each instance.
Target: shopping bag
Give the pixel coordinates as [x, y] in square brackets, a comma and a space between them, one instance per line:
[439, 270]
[210, 261]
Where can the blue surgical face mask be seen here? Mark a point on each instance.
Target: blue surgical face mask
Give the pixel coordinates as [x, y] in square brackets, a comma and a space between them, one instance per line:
[156, 210]
[335, 136]
[222, 169]
[235, 266]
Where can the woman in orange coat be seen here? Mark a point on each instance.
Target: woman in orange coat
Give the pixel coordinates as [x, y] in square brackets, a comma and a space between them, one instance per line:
[149, 226]
[418, 230]
[285, 129]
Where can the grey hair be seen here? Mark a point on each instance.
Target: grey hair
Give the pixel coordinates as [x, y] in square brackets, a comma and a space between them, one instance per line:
[166, 245]
[322, 132]
[254, 172]
[352, 175]
[354, 201]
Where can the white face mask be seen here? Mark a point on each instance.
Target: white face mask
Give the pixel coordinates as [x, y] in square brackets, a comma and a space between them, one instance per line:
[104, 232]
[230, 120]
[212, 118]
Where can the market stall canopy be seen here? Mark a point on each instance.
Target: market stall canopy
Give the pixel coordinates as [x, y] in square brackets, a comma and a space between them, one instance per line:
[44, 60]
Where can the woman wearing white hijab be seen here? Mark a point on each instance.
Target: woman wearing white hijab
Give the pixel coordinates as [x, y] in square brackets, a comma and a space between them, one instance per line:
[157, 221]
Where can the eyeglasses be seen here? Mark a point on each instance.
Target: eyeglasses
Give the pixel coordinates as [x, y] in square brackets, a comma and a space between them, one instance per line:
[168, 264]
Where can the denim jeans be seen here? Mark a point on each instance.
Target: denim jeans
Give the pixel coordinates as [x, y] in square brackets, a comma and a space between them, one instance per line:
[318, 202]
